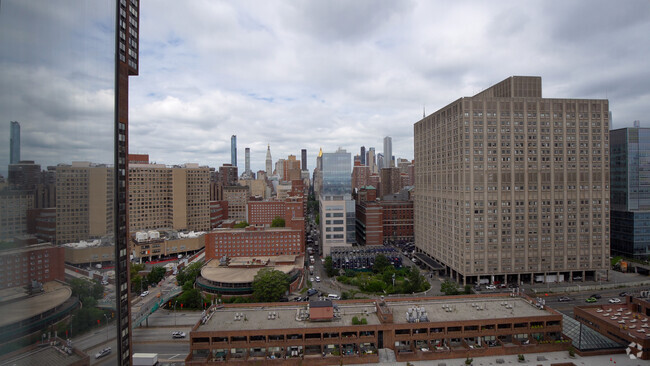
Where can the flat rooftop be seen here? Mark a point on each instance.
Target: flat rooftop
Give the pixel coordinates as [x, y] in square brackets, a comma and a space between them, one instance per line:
[47, 355]
[437, 310]
[55, 294]
[624, 317]
[236, 272]
[462, 309]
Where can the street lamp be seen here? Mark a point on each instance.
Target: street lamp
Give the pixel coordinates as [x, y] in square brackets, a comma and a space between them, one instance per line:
[176, 302]
[106, 316]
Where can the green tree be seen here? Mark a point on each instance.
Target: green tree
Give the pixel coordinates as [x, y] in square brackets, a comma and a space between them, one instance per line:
[137, 282]
[191, 299]
[83, 288]
[241, 225]
[189, 273]
[278, 222]
[317, 219]
[449, 288]
[156, 275]
[381, 262]
[269, 285]
[329, 266]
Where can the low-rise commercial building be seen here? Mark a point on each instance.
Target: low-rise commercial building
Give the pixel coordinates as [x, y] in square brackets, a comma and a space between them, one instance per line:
[234, 276]
[153, 245]
[624, 323]
[353, 331]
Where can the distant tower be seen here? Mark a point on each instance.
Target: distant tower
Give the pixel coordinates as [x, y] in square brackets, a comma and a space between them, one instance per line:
[371, 161]
[363, 155]
[233, 150]
[14, 143]
[247, 161]
[269, 161]
[303, 159]
[388, 152]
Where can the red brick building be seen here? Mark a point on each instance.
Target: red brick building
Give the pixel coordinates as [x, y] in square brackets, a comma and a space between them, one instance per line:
[397, 219]
[360, 175]
[255, 241]
[39, 262]
[218, 213]
[379, 220]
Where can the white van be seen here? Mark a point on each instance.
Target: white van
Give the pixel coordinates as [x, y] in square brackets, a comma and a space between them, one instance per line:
[333, 297]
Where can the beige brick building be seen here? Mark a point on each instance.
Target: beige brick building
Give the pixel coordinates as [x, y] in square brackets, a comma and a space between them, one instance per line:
[84, 201]
[512, 187]
[174, 197]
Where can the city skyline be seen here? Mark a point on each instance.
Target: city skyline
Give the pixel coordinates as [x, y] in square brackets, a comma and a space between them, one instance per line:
[362, 80]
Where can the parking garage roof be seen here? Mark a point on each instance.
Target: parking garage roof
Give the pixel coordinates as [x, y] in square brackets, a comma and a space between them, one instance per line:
[439, 309]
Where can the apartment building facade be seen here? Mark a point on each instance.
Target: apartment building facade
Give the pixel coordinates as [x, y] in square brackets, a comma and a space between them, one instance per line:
[513, 187]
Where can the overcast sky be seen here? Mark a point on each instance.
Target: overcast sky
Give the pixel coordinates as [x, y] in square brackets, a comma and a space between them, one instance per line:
[312, 74]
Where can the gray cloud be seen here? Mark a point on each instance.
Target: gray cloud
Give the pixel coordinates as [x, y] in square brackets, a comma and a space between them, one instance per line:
[322, 74]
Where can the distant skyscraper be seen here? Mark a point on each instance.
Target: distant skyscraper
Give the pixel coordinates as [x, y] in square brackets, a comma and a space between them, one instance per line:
[14, 143]
[269, 161]
[303, 159]
[363, 155]
[371, 161]
[388, 152]
[247, 160]
[380, 162]
[233, 150]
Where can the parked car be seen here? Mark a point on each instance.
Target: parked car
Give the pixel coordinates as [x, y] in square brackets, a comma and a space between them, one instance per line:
[490, 287]
[591, 299]
[311, 292]
[317, 279]
[614, 300]
[178, 334]
[144, 294]
[297, 298]
[503, 285]
[624, 293]
[564, 298]
[103, 352]
[596, 296]
[577, 278]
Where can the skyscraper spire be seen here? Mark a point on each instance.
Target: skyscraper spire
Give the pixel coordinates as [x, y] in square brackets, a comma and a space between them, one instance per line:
[269, 161]
[424, 113]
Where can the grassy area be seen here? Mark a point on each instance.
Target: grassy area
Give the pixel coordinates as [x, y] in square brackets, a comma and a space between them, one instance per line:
[388, 281]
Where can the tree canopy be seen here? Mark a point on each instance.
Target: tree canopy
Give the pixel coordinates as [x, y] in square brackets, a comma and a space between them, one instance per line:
[381, 262]
[278, 222]
[329, 266]
[189, 273]
[269, 285]
[241, 225]
[156, 275]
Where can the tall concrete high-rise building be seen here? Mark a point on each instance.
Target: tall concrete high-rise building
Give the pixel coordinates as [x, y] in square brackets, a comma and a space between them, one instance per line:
[269, 161]
[14, 143]
[513, 187]
[173, 197]
[388, 152]
[233, 150]
[84, 202]
[362, 154]
[630, 191]
[303, 159]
